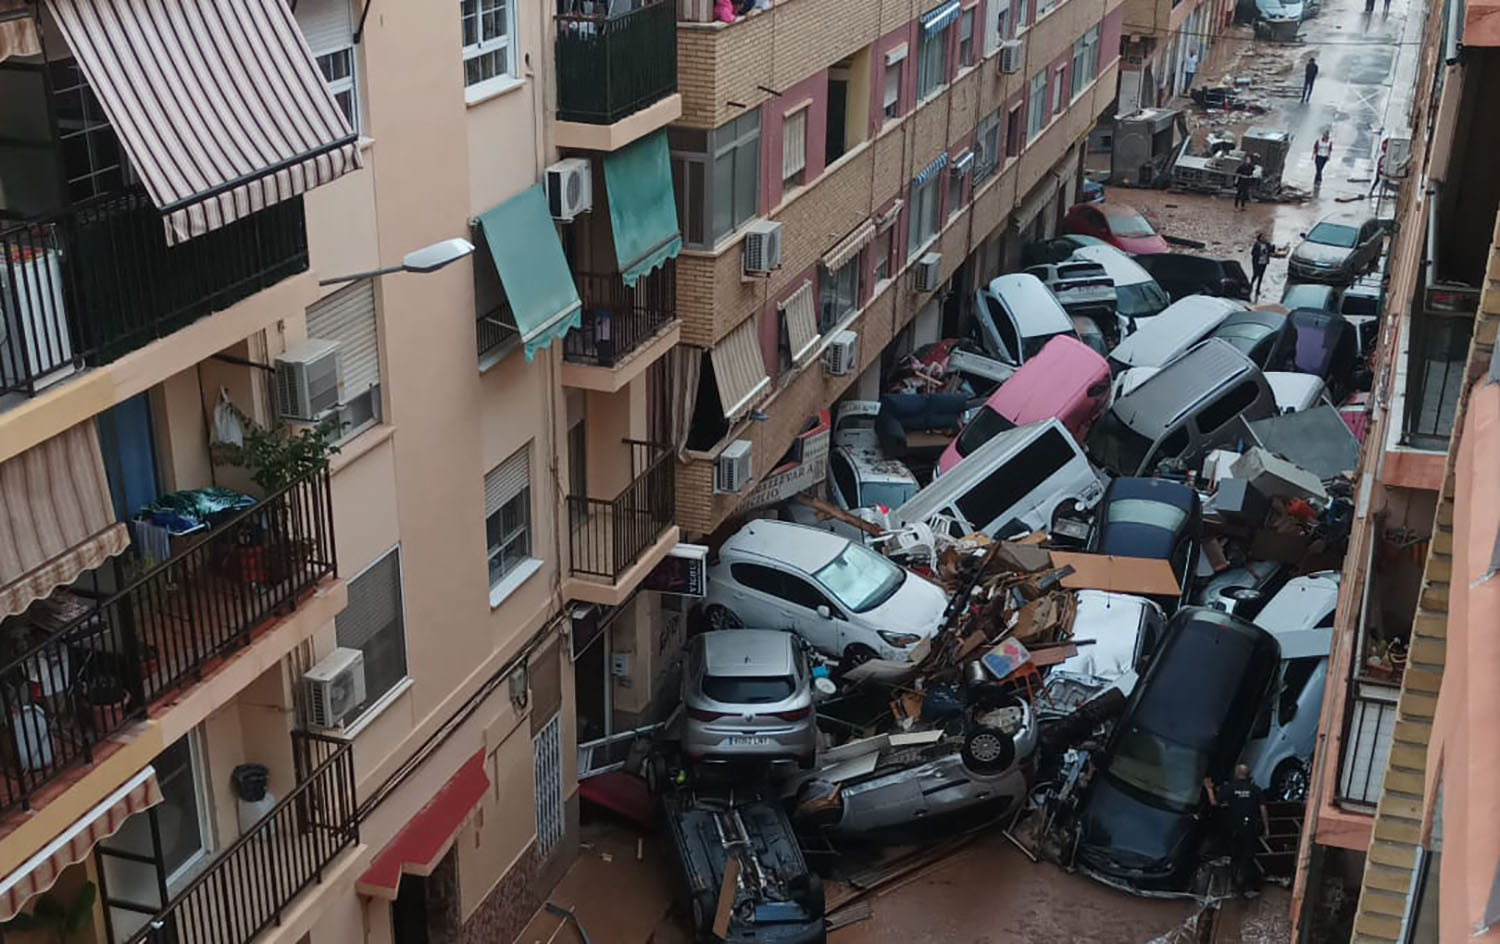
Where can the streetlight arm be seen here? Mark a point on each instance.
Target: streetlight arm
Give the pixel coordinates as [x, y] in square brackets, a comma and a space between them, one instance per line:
[355, 277]
[427, 259]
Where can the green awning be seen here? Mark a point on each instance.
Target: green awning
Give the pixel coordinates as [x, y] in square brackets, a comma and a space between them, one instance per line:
[533, 269]
[642, 207]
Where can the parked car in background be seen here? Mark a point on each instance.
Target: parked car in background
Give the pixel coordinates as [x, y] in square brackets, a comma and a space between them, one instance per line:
[1155, 518]
[1015, 317]
[1337, 249]
[1266, 337]
[1092, 191]
[1311, 295]
[1137, 296]
[1117, 224]
[747, 696]
[1170, 334]
[843, 598]
[1057, 248]
[1189, 718]
[1066, 380]
[1360, 299]
[1328, 347]
[1183, 274]
[1296, 392]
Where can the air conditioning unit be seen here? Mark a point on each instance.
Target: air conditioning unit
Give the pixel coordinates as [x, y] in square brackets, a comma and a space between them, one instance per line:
[695, 11]
[1010, 56]
[929, 271]
[309, 380]
[570, 188]
[842, 353]
[732, 468]
[335, 688]
[762, 250]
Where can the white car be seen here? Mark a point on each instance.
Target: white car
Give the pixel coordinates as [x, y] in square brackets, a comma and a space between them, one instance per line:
[845, 599]
[1124, 630]
[1296, 392]
[1016, 315]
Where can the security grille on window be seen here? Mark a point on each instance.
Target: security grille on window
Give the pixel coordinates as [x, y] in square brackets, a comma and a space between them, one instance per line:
[373, 623]
[716, 176]
[794, 147]
[1036, 105]
[507, 514]
[488, 27]
[987, 146]
[348, 317]
[894, 62]
[546, 768]
[328, 27]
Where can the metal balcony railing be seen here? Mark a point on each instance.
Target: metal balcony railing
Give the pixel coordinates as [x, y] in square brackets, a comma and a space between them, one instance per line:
[1369, 728]
[85, 286]
[611, 66]
[618, 319]
[609, 536]
[1439, 352]
[63, 695]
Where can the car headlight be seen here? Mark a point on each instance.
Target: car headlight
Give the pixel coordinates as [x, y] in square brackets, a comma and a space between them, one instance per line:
[900, 640]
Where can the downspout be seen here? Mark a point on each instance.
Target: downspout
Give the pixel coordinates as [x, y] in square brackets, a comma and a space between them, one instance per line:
[1453, 43]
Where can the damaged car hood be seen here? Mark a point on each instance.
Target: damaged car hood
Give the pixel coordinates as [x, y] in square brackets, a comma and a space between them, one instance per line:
[1319, 254]
[1135, 841]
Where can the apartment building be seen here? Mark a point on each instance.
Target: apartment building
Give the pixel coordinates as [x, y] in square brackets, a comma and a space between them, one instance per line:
[321, 538]
[1159, 35]
[1401, 762]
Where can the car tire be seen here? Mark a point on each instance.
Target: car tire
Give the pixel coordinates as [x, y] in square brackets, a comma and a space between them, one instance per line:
[1289, 781]
[856, 655]
[658, 778]
[807, 891]
[702, 923]
[722, 617]
[988, 750]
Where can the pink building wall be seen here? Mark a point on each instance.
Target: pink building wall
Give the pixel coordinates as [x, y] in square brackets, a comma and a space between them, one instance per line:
[906, 33]
[813, 89]
[1109, 37]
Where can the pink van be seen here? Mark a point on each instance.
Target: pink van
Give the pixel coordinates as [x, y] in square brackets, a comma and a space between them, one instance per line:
[1066, 379]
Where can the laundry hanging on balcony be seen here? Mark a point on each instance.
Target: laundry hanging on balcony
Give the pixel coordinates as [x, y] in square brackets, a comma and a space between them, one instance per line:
[533, 269]
[57, 519]
[642, 207]
[219, 105]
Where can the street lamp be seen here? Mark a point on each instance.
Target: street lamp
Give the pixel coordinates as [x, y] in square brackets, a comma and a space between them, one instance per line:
[427, 259]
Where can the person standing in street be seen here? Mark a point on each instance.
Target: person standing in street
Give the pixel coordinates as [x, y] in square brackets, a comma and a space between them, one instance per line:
[1244, 820]
[1309, 76]
[1244, 176]
[1322, 150]
[1260, 258]
[1189, 69]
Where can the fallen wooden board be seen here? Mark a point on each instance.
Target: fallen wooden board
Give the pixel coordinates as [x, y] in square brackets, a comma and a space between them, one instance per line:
[727, 888]
[853, 913]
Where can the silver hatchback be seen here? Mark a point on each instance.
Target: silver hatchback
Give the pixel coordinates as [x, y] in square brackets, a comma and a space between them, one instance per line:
[747, 695]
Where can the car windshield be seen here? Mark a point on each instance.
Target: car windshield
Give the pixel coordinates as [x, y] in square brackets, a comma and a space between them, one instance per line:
[1141, 300]
[1116, 446]
[859, 578]
[1334, 234]
[1033, 345]
[1145, 511]
[1130, 225]
[1243, 336]
[986, 425]
[1170, 772]
[889, 494]
[748, 689]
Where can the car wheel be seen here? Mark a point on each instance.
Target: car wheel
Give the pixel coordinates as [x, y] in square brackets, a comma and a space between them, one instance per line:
[702, 926]
[988, 750]
[1290, 780]
[657, 775]
[858, 654]
[721, 617]
[807, 891]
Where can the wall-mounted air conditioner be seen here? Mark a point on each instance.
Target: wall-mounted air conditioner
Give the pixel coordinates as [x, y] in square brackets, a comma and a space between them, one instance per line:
[335, 688]
[929, 270]
[762, 250]
[309, 380]
[1010, 56]
[842, 353]
[570, 188]
[732, 468]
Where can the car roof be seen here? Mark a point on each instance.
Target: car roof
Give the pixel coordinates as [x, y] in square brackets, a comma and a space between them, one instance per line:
[805, 548]
[1116, 209]
[748, 652]
[1205, 369]
[1165, 491]
[1259, 316]
[1293, 613]
[1325, 293]
[1036, 309]
[1292, 386]
[871, 466]
[1191, 317]
[1050, 381]
[1347, 218]
[959, 479]
[1117, 265]
[1113, 622]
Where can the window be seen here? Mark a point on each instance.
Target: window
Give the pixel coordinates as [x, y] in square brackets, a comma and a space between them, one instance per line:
[507, 514]
[373, 622]
[922, 224]
[838, 294]
[956, 176]
[1013, 140]
[1036, 105]
[328, 28]
[92, 158]
[1021, 12]
[1228, 406]
[184, 834]
[794, 147]
[860, 578]
[488, 26]
[1043, 7]
[716, 176]
[1057, 93]
[932, 62]
[348, 317]
[892, 97]
[757, 577]
[1085, 60]
[882, 250]
[996, 25]
[987, 146]
[990, 499]
[799, 592]
[845, 482]
[966, 38]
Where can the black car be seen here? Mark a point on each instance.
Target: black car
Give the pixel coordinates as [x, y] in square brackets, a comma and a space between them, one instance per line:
[1266, 337]
[1144, 816]
[1182, 275]
[1155, 518]
[1328, 346]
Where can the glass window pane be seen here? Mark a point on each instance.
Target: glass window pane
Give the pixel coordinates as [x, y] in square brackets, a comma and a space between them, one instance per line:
[723, 195]
[747, 180]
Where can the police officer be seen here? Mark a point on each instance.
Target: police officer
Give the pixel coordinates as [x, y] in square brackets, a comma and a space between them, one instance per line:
[1244, 820]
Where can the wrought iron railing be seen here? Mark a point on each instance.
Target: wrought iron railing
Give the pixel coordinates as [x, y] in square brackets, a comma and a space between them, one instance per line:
[618, 319]
[248, 887]
[88, 285]
[493, 330]
[607, 536]
[1369, 728]
[609, 67]
[1438, 357]
[62, 695]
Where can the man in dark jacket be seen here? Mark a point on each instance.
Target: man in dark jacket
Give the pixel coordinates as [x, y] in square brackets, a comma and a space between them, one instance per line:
[1243, 820]
[1260, 258]
[1244, 177]
[1309, 76]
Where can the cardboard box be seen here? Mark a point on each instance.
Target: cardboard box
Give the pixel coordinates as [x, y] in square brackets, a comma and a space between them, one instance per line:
[1139, 575]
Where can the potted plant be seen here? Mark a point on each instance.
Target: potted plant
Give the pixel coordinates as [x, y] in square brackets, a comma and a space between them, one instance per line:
[62, 918]
[106, 694]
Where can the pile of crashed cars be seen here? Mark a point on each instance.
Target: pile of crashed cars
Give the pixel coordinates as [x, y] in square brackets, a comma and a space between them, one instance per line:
[1062, 572]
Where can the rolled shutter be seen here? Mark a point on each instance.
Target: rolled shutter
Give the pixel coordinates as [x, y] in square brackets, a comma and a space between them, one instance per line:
[507, 480]
[327, 25]
[348, 317]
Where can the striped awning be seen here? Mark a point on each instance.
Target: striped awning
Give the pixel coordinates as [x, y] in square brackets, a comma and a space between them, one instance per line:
[936, 19]
[889, 217]
[925, 174]
[218, 105]
[801, 322]
[57, 519]
[849, 247]
[739, 370]
[41, 871]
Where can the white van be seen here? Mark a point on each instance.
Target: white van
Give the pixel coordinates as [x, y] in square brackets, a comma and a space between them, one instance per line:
[1016, 316]
[1296, 392]
[1167, 337]
[1014, 484]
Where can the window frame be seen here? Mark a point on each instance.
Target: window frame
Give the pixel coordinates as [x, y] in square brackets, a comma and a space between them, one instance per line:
[987, 151]
[1036, 105]
[882, 267]
[932, 62]
[374, 703]
[508, 538]
[1058, 75]
[891, 110]
[797, 177]
[343, 85]
[830, 285]
[966, 58]
[721, 142]
[485, 46]
[924, 201]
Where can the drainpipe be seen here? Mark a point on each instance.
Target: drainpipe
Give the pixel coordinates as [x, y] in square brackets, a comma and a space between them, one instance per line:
[1453, 39]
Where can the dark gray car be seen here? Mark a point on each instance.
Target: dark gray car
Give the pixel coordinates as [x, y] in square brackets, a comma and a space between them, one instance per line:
[1337, 250]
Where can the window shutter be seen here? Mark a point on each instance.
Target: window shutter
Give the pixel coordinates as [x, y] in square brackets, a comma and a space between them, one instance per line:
[328, 25]
[892, 84]
[801, 322]
[794, 144]
[348, 317]
[507, 480]
[372, 622]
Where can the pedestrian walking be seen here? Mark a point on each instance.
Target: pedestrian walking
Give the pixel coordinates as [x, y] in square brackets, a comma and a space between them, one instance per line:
[1189, 69]
[1309, 76]
[1244, 176]
[1243, 823]
[1260, 258]
[1322, 150]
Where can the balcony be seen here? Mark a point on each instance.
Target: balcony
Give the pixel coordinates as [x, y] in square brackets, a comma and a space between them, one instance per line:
[84, 286]
[610, 67]
[613, 541]
[1369, 727]
[94, 666]
[624, 329]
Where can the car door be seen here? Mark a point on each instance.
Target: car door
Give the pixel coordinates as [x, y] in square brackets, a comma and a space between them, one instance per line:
[758, 597]
[1369, 244]
[805, 599]
[843, 483]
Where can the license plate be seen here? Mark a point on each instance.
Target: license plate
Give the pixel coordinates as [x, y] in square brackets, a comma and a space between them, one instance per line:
[749, 740]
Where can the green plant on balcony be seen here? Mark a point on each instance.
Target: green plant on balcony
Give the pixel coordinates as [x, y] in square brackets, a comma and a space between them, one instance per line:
[278, 455]
[62, 918]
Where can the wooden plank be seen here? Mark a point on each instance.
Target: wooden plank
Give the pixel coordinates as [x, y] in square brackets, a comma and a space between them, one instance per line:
[727, 889]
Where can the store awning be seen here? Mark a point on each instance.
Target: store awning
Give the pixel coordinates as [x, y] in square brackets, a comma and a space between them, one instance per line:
[219, 105]
[529, 257]
[57, 519]
[849, 247]
[801, 316]
[936, 19]
[739, 369]
[41, 871]
[642, 206]
[427, 836]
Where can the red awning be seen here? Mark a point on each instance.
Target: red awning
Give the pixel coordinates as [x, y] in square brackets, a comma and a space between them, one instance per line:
[416, 849]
